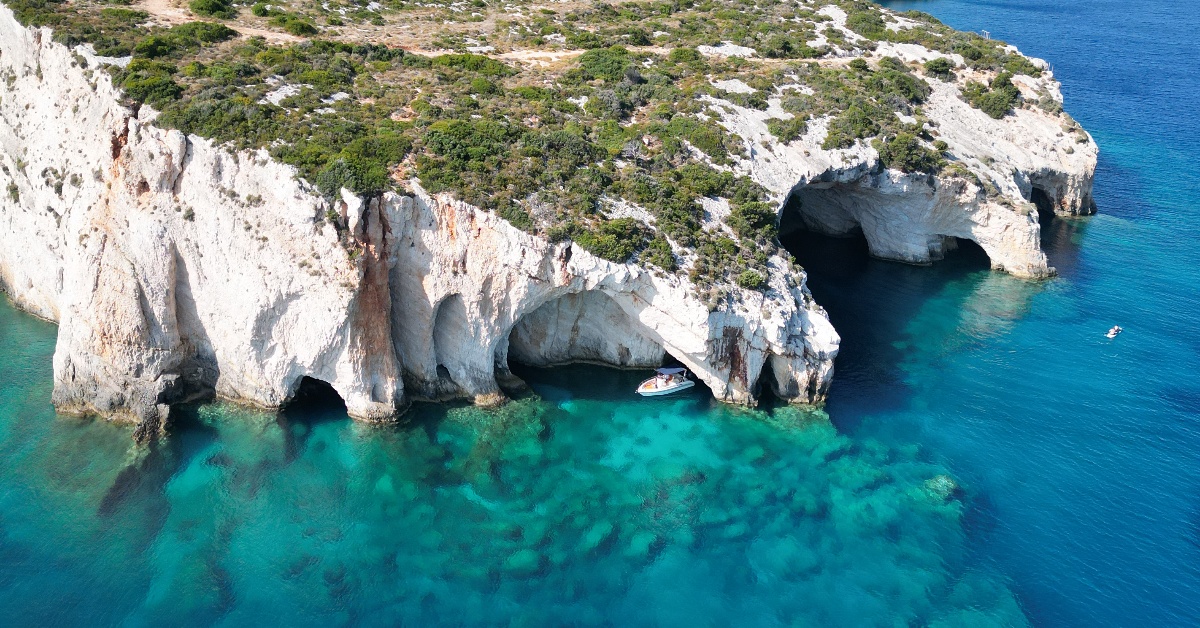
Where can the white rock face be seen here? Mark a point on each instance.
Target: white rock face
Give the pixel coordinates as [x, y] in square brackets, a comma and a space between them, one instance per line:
[469, 289]
[585, 326]
[177, 269]
[1005, 166]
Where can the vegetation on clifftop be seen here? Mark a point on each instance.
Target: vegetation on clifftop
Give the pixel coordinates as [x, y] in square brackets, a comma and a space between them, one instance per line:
[595, 122]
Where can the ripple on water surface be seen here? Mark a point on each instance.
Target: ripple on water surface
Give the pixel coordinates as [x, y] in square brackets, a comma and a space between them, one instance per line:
[583, 505]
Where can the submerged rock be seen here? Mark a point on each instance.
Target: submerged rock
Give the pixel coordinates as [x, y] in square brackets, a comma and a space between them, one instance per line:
[596, 536]
[941, 486]
[524, 563]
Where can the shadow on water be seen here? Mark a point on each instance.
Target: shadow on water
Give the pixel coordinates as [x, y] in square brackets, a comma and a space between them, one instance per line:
[138, 492]
[314, 403]
[871, 302]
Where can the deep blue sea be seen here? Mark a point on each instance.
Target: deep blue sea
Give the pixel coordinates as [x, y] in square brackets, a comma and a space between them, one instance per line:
[987, 457]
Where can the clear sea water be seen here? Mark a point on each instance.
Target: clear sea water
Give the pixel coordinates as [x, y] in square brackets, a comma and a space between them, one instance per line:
[1076, 458]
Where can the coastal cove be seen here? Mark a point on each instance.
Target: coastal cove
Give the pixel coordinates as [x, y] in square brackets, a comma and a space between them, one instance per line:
[985, 456]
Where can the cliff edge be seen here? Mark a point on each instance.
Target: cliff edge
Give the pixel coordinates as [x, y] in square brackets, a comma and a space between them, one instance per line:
[181, 268]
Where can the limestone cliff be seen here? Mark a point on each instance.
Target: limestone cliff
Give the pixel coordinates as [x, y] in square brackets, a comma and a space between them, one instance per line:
[177, 269]
[1002, 169]
[180, 269]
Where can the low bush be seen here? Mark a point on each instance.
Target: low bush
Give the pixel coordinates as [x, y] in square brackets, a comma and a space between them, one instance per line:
[940, 67]
[477, 64]
[996, 100]
[853, 124]
[614, 240]
[751, 280]
[221, 9]
[868, 23]
[608, 64]
[906, 153]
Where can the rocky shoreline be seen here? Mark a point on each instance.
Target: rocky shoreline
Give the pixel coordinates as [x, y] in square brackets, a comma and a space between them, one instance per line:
[179, 270]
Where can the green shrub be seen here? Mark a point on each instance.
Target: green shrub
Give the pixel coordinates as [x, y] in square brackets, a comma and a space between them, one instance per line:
[905, 153]
[892, 63]
[867, 23]
[586, 40]
[940, 67]
[614, 240]
[364, 165]
[183, 37]
[202, 32]
[127, 17]
[709, 138]
[154, 46]
[997, 100]
[854, 123]
[516, 216]
[155, 90]
[658, 252]
[785, 47]
[482, 86]
[751, 280]
[293, 24]
[609, 64]
[754, 220]
[684, 55]
[478, 64]
[222, 9]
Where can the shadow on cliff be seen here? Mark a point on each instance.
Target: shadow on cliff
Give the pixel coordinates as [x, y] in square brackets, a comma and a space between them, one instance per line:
[1061, 237]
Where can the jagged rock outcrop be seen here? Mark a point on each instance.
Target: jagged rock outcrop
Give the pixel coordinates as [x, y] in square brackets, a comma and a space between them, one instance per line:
[177, 269]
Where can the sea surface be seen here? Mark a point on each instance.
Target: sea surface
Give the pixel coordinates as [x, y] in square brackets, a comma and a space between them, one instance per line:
[987, 457]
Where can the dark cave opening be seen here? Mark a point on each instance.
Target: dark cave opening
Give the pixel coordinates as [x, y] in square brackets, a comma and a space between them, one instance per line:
[314, 397]
[1059, 235]
[967, 253]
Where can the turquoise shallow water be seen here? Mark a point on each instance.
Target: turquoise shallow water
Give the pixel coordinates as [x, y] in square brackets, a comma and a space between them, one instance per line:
[1077, 458]
[580, 506]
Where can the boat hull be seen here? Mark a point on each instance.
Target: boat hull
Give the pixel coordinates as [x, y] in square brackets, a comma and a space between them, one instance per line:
[659, 392]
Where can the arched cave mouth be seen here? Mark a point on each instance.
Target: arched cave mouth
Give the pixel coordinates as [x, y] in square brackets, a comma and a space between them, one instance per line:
[582, 345]
[831, 246]
[314, 400]
[451, 329]
[871, 303]
[1059, 235]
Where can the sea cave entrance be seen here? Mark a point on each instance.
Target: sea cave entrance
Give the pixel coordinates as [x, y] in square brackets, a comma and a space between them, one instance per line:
[870, 301]
[1059, 235]
[314, 402]
[580, 345]
[451, 335]
[314, 396]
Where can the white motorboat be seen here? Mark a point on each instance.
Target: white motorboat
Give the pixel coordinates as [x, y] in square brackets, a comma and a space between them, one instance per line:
[665, 382]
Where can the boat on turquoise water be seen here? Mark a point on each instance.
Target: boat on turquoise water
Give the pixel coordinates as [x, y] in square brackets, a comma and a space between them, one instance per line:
[665, 382]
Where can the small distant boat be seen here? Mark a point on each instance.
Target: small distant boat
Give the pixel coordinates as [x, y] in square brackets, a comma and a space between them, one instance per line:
[1112, 333]
[665, 382]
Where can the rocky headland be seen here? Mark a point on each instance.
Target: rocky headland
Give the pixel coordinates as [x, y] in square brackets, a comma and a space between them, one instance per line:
[181, 266]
